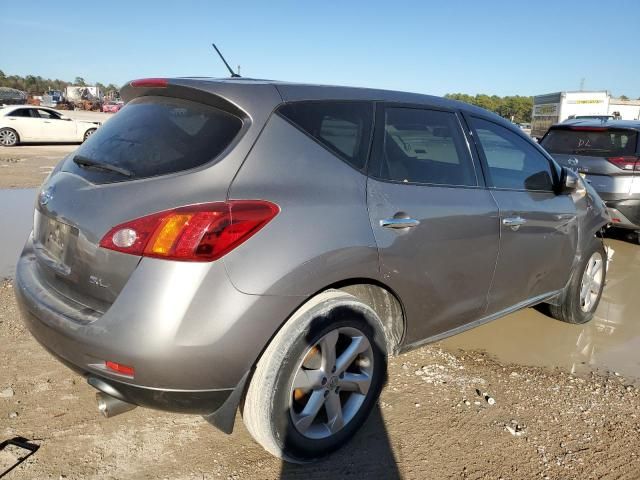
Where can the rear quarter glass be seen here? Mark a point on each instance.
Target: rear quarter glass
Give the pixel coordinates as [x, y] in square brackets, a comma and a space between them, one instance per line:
[154, 136]
[343, 127]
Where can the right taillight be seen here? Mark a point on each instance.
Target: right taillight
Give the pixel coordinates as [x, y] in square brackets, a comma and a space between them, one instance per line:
[200, 233]
[628, 163]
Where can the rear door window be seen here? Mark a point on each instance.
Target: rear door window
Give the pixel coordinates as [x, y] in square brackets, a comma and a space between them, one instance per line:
[594, 142]
[423, 146]
[513, 162]
[342, 127]
[154, 136]
[21, 112]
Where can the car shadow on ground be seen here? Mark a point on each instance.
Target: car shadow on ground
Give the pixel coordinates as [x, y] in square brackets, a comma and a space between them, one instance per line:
[367, 455]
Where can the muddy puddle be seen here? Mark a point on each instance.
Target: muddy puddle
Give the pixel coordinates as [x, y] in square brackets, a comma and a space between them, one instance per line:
[611, 341]
[16, 219]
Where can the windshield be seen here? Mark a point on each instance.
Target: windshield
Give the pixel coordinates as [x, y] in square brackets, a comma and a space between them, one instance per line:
[590, 142]
[155, 136]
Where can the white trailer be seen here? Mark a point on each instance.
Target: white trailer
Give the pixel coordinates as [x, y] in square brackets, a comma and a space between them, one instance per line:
[626, 109]
[557, 107]
[76, 93]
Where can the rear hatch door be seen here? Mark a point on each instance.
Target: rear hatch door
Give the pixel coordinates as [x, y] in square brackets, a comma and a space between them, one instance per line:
[158, 153]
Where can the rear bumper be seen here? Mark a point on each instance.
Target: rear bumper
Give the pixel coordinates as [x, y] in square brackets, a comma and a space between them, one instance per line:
[202, 402]
[625, 213]
[189, 334]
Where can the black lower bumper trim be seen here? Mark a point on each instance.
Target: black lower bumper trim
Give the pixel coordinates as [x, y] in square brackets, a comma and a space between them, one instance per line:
[194, 402]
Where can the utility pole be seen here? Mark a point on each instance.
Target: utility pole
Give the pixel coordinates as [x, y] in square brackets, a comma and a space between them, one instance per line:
[582, 84]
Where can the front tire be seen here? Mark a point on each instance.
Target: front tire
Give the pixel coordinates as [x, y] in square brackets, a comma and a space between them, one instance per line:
[582, 296]
[88, 133]
[8, 137]
[318, 379]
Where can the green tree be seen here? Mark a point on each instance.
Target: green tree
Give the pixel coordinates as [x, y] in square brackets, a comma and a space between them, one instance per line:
[37, 85]
[516, 107]
[79, 81]
[624, 97]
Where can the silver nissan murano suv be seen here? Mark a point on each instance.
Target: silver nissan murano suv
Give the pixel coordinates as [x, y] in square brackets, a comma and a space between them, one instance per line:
[236, 243]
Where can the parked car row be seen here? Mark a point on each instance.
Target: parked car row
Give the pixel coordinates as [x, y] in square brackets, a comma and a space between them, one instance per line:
[266, 245]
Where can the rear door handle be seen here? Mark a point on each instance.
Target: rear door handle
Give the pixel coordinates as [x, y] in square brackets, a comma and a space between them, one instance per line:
[513, 222]
[397, 223]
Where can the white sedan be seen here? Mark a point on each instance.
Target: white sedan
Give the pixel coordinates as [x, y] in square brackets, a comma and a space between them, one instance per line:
[25, 123]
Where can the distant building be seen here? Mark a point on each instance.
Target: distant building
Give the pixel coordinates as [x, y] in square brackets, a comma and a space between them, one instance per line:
[556, 107]
[628, 109]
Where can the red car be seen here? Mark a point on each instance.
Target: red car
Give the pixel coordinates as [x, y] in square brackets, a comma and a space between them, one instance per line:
[112, 107]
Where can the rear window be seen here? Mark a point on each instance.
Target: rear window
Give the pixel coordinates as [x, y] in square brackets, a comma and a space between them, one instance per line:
[596, 143]
[342, 127]
[154, 136]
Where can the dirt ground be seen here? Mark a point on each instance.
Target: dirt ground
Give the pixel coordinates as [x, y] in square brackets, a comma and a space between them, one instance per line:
[27, 166]
[434, 420]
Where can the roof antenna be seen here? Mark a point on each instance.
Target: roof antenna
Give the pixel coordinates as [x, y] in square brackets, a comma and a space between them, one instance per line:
[233, 74]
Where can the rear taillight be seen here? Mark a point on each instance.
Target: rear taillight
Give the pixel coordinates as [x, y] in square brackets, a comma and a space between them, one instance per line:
[150, 83]
[627, 163]
[199, 233]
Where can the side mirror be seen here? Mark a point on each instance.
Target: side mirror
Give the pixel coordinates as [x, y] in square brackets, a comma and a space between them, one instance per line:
[569, 181]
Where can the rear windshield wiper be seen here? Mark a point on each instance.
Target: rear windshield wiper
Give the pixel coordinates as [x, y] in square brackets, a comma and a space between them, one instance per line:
[86, 162]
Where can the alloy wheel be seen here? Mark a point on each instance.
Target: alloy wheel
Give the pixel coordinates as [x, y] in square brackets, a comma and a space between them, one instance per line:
[8, 138]
[331, 383]
[591, 282]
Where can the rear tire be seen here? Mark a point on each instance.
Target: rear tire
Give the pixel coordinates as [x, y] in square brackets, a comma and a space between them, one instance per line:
[582, 296]
[9, 137]
[332, 398]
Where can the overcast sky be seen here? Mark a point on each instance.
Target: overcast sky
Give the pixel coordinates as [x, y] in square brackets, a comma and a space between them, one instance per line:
[436, 47]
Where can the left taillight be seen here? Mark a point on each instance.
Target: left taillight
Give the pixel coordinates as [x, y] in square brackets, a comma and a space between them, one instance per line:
[200, 233]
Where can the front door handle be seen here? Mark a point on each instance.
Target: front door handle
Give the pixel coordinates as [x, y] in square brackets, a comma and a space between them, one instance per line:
[514, 222]
[399, 223]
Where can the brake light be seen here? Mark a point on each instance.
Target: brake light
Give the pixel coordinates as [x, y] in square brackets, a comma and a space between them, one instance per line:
[627, 163]
[200, 233]
[150, 83]
[588, 129]
[119, 368]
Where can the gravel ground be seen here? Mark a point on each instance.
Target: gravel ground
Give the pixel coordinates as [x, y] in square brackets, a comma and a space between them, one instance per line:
[442, 415]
